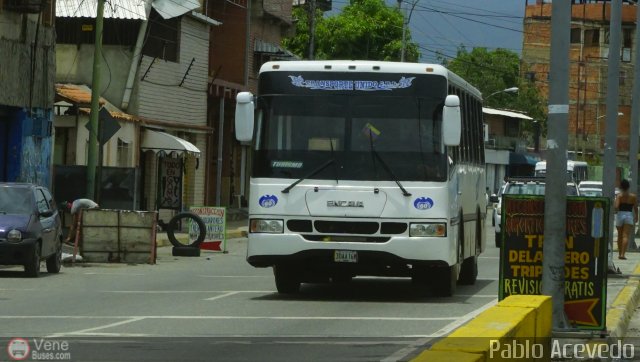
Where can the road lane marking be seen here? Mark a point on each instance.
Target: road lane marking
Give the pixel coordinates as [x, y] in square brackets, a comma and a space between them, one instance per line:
[489, 257]
[404, 352]
[120, 274]
[235, 276]
[130, 319]
[222, 296]
[464, 319]
[87, 330]
[185, 291]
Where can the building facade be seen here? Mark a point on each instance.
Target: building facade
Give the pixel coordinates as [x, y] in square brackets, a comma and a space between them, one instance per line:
[154, 76]
[589, 53]
[27, 72]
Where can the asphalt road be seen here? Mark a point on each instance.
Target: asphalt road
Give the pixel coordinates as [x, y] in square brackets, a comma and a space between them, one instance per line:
[218, 308]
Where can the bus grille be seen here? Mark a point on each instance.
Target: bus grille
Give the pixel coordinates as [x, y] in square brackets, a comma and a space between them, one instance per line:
[346, 227]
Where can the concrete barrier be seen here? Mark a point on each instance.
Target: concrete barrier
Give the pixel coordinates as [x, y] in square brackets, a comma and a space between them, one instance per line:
[519, 318]
[118, 236]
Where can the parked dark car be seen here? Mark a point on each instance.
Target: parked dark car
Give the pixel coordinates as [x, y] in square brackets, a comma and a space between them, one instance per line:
[30, 228]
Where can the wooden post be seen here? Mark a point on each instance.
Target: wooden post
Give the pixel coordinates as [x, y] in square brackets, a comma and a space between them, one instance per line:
[75, 243]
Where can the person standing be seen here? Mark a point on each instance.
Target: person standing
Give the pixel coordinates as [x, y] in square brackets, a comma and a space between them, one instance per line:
[626, 206]
[76, 209]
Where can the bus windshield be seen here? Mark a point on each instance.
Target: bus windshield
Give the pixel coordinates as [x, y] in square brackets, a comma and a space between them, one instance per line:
[360, 133]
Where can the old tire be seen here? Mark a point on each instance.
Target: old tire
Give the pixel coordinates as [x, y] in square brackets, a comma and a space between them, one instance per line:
[185, 251]
[54, 262]
[173, 224]
[32, 266]
[286, 277]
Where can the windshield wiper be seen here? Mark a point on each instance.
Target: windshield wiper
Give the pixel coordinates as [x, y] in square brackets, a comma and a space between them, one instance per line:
[313, 172]
[386, 167]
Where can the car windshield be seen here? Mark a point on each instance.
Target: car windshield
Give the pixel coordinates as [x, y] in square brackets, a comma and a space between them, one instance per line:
[535, 189]
[590, 192]
[15, 200]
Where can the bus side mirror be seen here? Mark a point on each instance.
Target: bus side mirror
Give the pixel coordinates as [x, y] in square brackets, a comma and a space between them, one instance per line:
[451, 121]
[244, 116]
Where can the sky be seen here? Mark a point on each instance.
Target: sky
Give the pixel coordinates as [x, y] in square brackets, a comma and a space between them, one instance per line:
[443, 25]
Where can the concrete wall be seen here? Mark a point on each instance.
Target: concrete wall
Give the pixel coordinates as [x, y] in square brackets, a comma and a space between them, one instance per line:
[17, 36]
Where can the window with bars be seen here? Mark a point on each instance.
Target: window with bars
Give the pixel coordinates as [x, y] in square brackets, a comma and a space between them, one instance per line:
[124, 153]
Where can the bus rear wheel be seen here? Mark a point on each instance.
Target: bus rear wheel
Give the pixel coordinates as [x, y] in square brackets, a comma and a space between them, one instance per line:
[287, 281]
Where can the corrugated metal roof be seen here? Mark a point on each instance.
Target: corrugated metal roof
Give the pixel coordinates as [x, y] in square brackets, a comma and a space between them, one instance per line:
[75, 94]
[118, 9]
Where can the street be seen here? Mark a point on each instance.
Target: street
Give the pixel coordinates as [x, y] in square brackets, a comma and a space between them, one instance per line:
[170, 311]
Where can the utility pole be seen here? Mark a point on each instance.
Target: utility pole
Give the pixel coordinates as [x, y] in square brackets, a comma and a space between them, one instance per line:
[635, 113]
[404, 30]
[312, 28]
[611, 120]
[555, 205]
[95, 105]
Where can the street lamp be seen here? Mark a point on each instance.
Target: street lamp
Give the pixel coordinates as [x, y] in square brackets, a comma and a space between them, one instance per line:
[507, 90]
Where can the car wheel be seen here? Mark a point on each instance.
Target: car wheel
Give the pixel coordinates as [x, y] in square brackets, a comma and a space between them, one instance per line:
[32, 267]
[54, 262]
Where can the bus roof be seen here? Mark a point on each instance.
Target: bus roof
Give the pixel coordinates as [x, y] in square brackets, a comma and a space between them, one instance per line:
[371, 66]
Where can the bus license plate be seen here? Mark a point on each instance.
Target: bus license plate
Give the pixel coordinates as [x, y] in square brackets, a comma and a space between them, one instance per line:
[345, 256]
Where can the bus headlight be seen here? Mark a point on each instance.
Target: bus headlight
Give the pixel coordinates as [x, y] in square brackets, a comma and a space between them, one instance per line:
[428, 229]
[266, 226]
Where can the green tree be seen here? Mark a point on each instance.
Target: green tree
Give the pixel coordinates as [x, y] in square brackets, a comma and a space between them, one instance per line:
[365, 29]
[496, 70]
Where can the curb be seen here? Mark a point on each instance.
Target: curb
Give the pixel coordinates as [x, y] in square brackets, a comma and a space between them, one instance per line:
[623, 306]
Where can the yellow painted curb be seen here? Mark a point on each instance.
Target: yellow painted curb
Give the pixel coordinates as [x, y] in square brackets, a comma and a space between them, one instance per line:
[542, 307]
[621, 311]
[439, 356]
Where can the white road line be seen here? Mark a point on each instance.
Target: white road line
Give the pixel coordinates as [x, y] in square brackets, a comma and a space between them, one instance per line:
[401, 354]
[489, 279]
[235, 276]
[464, 319]
[83, 331]
[127, 274]
[185, 291]
[209, 317]
[222, 296]
[489, 257]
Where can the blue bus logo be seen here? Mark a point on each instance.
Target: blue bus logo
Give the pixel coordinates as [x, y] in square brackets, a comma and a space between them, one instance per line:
[268, 201]
[423, 203]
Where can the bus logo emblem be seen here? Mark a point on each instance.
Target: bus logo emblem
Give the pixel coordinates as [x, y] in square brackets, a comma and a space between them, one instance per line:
[268, 201]
[423, 203]
[343, 203]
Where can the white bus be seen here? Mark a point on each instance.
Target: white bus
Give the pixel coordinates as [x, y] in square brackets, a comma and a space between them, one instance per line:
[364, 168]
[577, 170]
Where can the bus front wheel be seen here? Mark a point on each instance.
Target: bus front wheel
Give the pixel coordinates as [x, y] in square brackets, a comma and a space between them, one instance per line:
[444, 280]
[287, 281]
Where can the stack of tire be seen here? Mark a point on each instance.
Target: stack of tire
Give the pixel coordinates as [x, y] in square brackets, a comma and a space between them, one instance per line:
[179, 248]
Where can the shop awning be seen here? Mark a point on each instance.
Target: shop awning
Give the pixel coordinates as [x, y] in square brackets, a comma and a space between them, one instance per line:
[157, 141]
